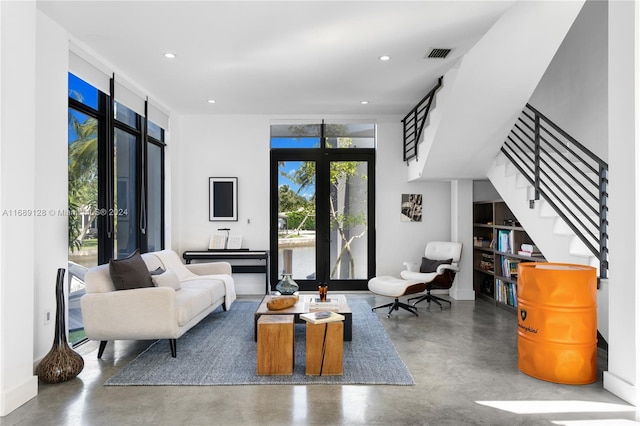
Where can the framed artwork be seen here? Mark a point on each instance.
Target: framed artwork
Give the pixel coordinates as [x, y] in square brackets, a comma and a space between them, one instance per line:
[411, 208]
[223, 199]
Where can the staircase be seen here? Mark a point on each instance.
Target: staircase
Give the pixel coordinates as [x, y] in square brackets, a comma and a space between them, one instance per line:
[483, 92]
[555, 239]
[557, 189]
[558, 241]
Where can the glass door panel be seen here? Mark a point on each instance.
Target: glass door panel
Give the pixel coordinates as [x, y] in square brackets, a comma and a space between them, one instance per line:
[297, 217]
[125, 207]
[154, 194]
[83, 189]
[348, 216]
[83, 209]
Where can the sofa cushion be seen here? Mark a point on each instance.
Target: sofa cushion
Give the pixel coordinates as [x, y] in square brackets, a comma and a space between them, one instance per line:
[152, 261]
[98, 280]
[130, 272]
[215, 286]
[170, 260]
[190, 302]
[167, 279]
[156, 271]
[431, 265]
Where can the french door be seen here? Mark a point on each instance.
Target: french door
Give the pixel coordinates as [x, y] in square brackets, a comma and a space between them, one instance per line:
[322, 210]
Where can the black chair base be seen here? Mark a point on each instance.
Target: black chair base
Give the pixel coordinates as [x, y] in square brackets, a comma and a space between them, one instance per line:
[396, 305]
[429, 298]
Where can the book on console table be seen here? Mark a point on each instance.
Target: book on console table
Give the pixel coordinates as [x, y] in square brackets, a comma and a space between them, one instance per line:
[322, 317]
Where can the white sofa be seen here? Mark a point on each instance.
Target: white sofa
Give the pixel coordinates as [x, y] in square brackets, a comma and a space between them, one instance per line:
[157, 312]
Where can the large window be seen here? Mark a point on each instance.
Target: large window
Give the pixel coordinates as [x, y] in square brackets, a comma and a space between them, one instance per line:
[116, 185]
[322, 176]
[155, 188]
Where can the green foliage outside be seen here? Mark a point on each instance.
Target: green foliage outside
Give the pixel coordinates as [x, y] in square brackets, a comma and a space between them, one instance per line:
[301, 213]
[76, 336]
[304, 220]
[83, 178]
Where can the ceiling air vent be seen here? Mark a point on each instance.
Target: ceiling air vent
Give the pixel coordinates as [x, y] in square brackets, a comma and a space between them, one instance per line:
[438, 53]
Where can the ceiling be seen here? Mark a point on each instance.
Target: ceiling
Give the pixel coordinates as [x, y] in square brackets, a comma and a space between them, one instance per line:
[278, 57]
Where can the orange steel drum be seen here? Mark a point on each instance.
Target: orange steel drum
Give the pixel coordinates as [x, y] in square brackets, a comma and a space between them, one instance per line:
[557, 322]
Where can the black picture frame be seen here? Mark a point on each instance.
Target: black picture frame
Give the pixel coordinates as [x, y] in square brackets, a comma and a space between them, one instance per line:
[223, 199]
[411, 208]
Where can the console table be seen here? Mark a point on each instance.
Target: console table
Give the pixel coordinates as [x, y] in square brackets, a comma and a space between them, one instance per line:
[230, 255]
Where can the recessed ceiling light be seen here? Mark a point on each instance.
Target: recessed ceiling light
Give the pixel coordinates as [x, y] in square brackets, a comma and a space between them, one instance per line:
[364, 102]
[212, 101]
[169, 55]
[384, 57]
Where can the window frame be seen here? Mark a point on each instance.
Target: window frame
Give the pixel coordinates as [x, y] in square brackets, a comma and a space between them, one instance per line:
[323, 156]
[107, 125]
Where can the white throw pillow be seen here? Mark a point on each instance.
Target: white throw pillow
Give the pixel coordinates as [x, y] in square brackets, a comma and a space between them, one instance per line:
[167, 279]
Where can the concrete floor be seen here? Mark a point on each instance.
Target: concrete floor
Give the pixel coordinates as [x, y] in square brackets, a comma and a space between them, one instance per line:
[463, 359]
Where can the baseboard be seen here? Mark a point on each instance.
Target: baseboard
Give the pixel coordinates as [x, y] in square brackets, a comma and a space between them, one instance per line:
[620, 388]
[15, 397]
[459, 294]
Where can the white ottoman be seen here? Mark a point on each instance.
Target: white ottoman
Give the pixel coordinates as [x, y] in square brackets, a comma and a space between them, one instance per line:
[396, 287]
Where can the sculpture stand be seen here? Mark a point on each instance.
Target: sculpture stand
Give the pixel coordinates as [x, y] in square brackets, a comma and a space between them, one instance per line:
[61, 363]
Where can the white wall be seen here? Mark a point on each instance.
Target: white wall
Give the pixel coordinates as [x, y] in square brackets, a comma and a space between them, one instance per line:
[51, 159]
[239, 146]
[623, 375]
[17, 179]
[396, 241]
[462, 231]
[577, 75]
[33, 179]
[222, 146]
[483, 190]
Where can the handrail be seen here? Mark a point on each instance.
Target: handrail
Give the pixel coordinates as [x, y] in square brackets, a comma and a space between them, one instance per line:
[571, 178]
[414, 121]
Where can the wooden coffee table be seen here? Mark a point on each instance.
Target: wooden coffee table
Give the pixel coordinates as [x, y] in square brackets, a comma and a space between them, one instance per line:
[306, 303]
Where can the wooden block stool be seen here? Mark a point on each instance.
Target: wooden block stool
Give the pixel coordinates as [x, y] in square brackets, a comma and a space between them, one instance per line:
[324, 349]
[275, 345]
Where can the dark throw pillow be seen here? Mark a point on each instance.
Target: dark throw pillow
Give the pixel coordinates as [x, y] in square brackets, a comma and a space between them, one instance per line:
[430, 265]
[130, 273]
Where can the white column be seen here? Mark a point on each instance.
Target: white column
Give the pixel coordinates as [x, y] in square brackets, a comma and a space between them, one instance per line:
[462, 231]
[622, 377]
[17, 193]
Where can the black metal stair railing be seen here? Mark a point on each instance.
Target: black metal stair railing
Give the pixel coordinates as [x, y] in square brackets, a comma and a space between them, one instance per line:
[413, 123]
[569, 177]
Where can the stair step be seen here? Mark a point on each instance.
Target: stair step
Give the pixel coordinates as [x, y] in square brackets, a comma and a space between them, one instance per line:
[556, 240]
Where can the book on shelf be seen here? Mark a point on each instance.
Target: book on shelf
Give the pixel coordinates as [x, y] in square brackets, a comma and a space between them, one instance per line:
[322, 317]
[486, 262]
[507, 293]
[529, 250]
[481, 242]
[505, 241]
[509, 267]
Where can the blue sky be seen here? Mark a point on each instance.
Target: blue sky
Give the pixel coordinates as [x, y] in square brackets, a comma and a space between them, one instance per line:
[292, 166]
[289, 168]
[85, 93]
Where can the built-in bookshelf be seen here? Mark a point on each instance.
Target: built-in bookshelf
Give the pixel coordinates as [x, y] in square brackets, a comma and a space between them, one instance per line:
[500, 244]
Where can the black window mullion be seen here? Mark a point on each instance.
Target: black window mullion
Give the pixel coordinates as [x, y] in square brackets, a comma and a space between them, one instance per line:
[323, 256]
[141, 172]
[105, 178]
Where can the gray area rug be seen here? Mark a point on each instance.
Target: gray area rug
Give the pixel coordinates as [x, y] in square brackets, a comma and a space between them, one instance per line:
[221, 350]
